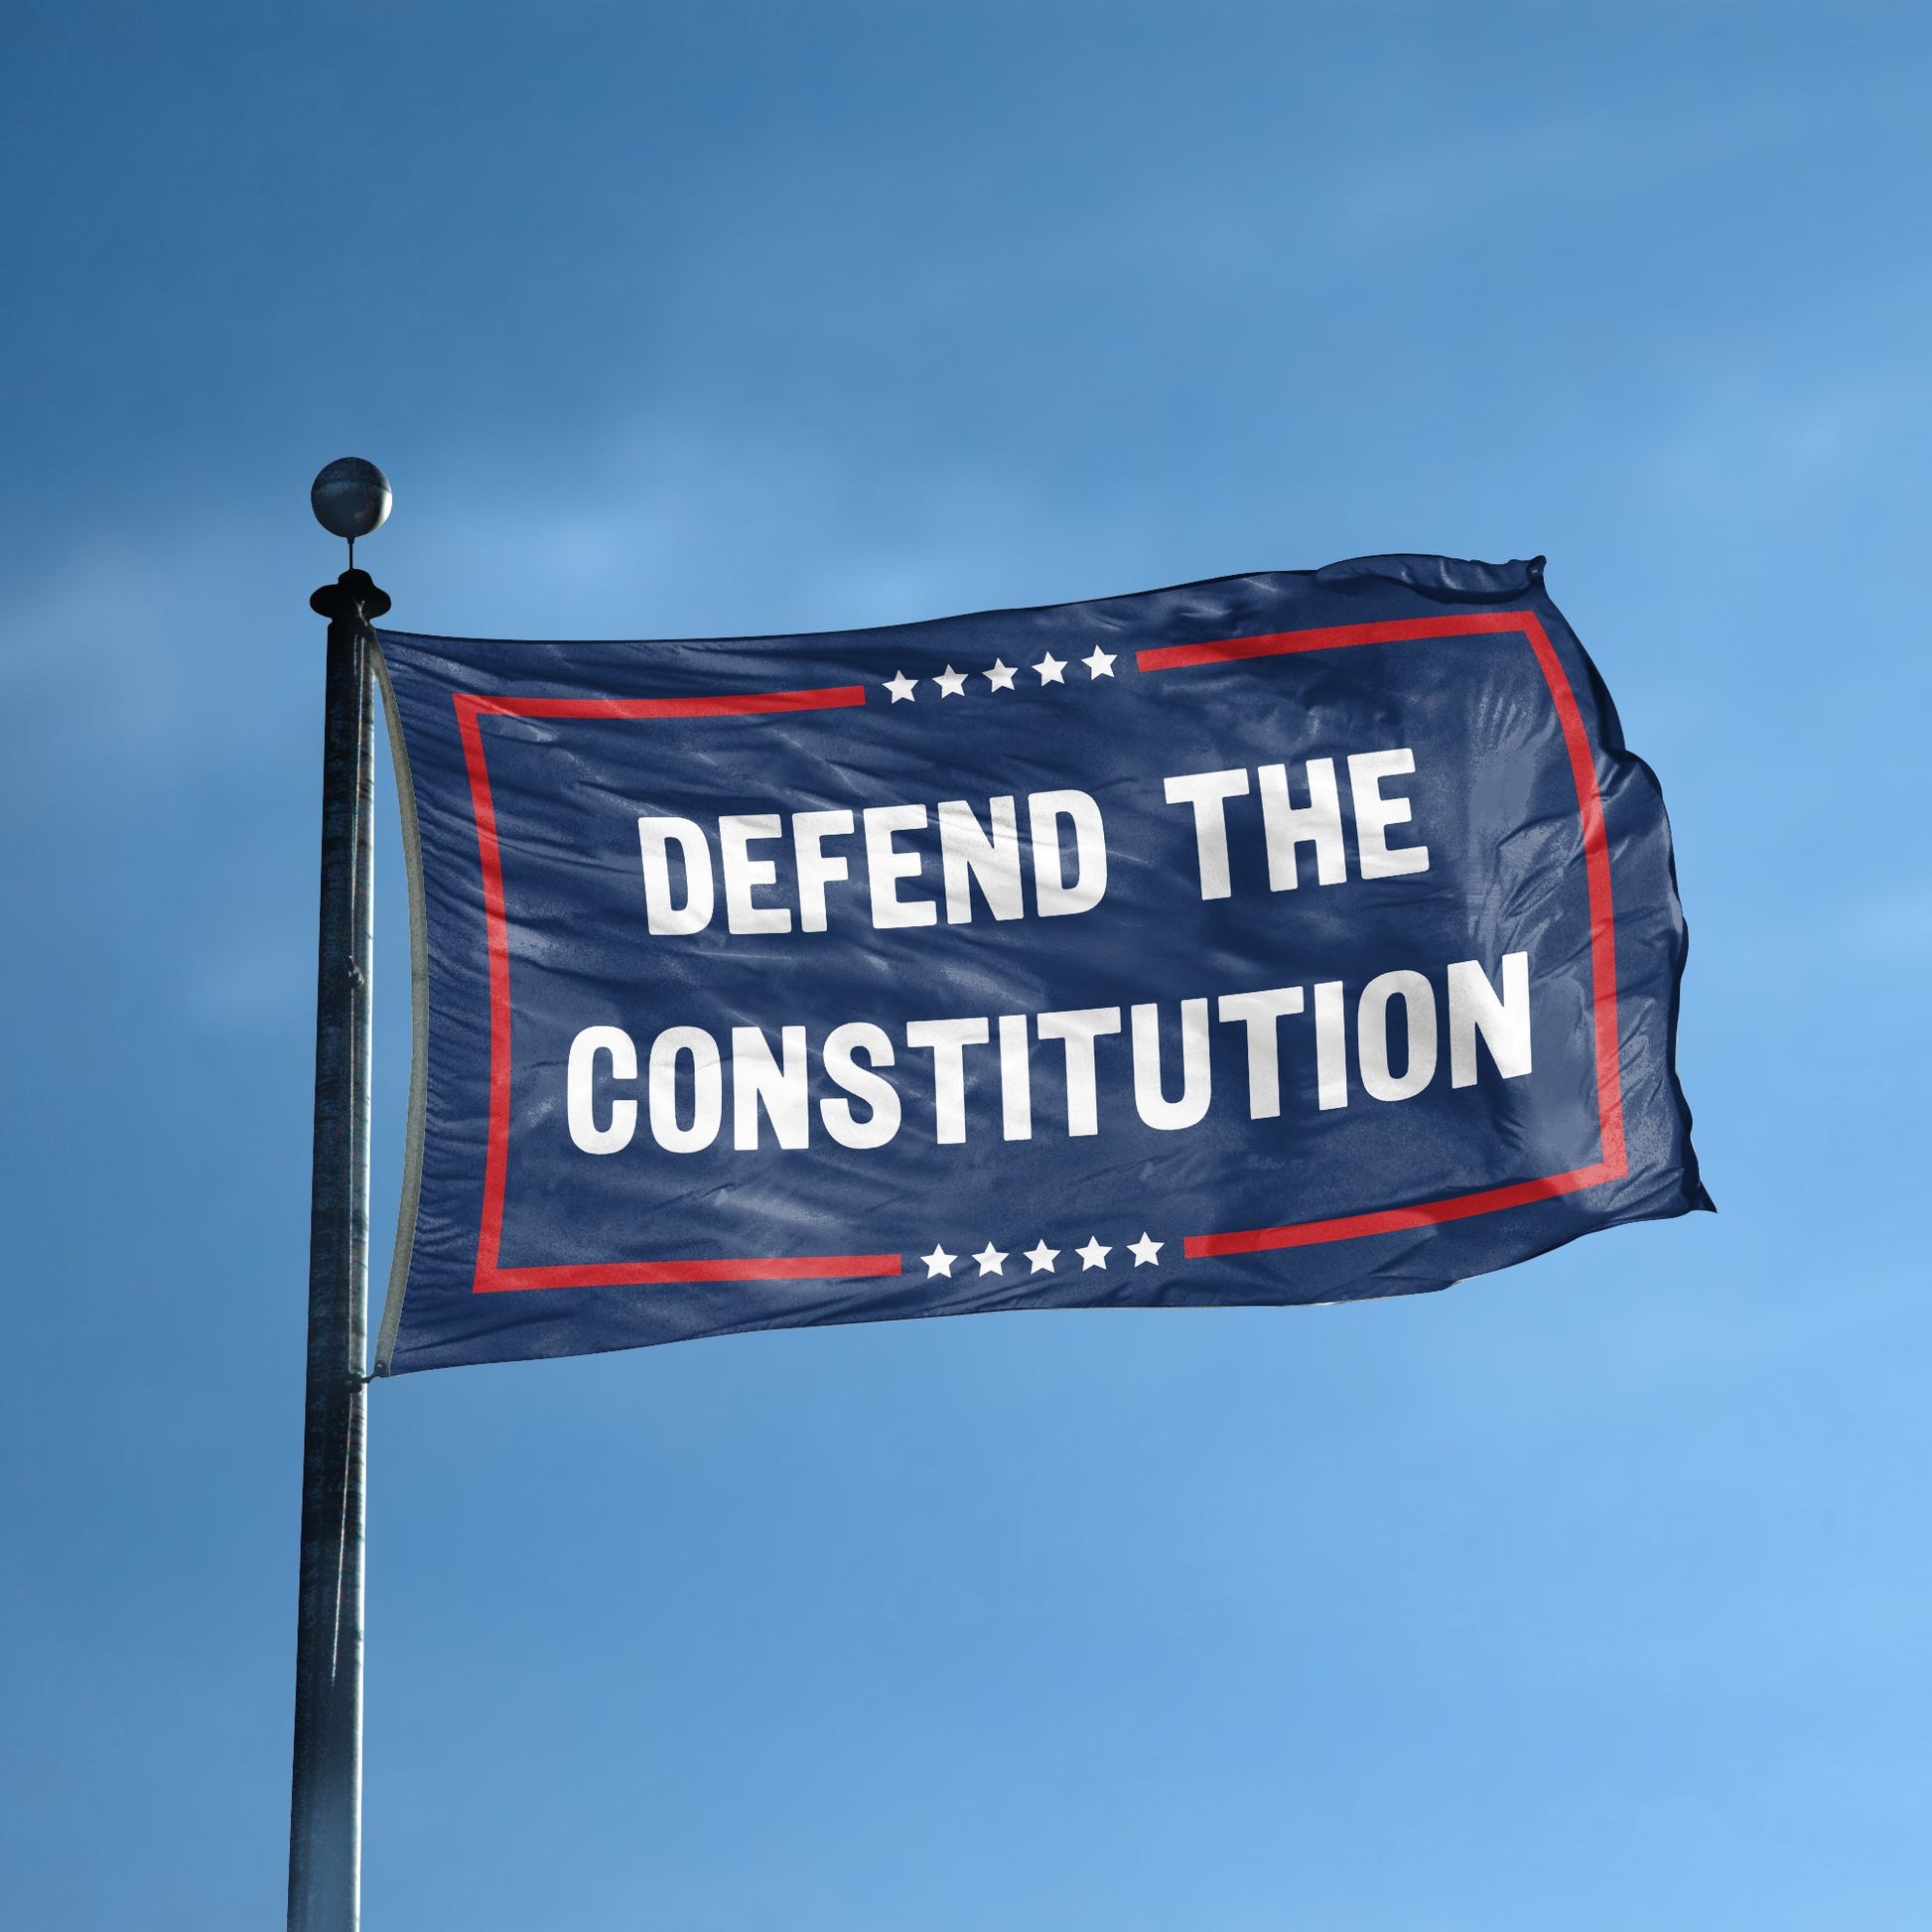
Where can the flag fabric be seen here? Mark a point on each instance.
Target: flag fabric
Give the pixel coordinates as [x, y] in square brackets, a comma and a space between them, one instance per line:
[1296, 937]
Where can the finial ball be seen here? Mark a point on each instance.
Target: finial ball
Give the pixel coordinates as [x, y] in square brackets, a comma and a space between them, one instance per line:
[350, 498]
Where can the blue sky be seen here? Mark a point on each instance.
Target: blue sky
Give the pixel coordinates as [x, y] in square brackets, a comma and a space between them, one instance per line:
[1592, 1594]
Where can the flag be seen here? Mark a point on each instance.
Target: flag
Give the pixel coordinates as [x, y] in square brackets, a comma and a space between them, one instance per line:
[1296, 937]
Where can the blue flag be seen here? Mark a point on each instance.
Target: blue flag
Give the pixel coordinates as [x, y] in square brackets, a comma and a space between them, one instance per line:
[1288, 938]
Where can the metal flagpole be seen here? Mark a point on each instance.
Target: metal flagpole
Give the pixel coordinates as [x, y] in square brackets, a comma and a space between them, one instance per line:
[351, 499]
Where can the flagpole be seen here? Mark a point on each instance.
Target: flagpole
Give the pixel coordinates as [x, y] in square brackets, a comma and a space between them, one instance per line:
[351, 499]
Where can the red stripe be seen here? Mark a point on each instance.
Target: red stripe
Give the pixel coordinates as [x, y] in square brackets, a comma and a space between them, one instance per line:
[1603, 921]
[1602, 927]
[1391, 1220]
[488, 1278]
[737, 704]
[1278, 643]
[638, 1273]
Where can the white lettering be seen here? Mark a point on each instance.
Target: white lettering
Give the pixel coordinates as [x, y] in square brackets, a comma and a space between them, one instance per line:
[656, 836]
[1330, 1046]
[1258, 1011]
[758, 1079]
[841, 1045]
[1078, 1030]
[1196, 1072]
[947, 1041]
[707, 1090]
[1375, 814]
[1051, 893]
[1016, 1079]
[816, 868]
[1418, 999]
[737, 831]
[970, 857]
[1504, 1024]
[579, 1090]
[1286, 827]
[1208, 793]
[886, 865]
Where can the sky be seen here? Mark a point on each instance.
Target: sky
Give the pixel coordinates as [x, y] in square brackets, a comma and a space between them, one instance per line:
[1594, 1593]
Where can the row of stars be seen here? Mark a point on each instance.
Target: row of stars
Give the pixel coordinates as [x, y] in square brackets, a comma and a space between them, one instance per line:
[952, 683]
[993, 1261]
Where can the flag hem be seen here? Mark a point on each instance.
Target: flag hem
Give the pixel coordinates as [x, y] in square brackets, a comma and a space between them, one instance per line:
[413, 1132]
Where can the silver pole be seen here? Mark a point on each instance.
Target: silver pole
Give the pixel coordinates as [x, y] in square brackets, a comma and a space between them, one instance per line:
[325, 1810]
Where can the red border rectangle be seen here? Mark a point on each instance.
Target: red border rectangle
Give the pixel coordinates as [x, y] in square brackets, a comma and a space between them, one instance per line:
[491, 1278]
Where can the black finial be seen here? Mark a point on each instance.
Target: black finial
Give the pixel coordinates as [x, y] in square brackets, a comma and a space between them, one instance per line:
[353, 598]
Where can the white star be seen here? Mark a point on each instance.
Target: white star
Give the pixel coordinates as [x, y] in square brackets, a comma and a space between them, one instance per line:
[1093, 1255]
[938, 1261]
[1001, 675]
[1146, 1251]
[1042, 1258]
[902, 687]
[1099, 663]
[991, 1259]
[951, 683]
[1049, 669]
